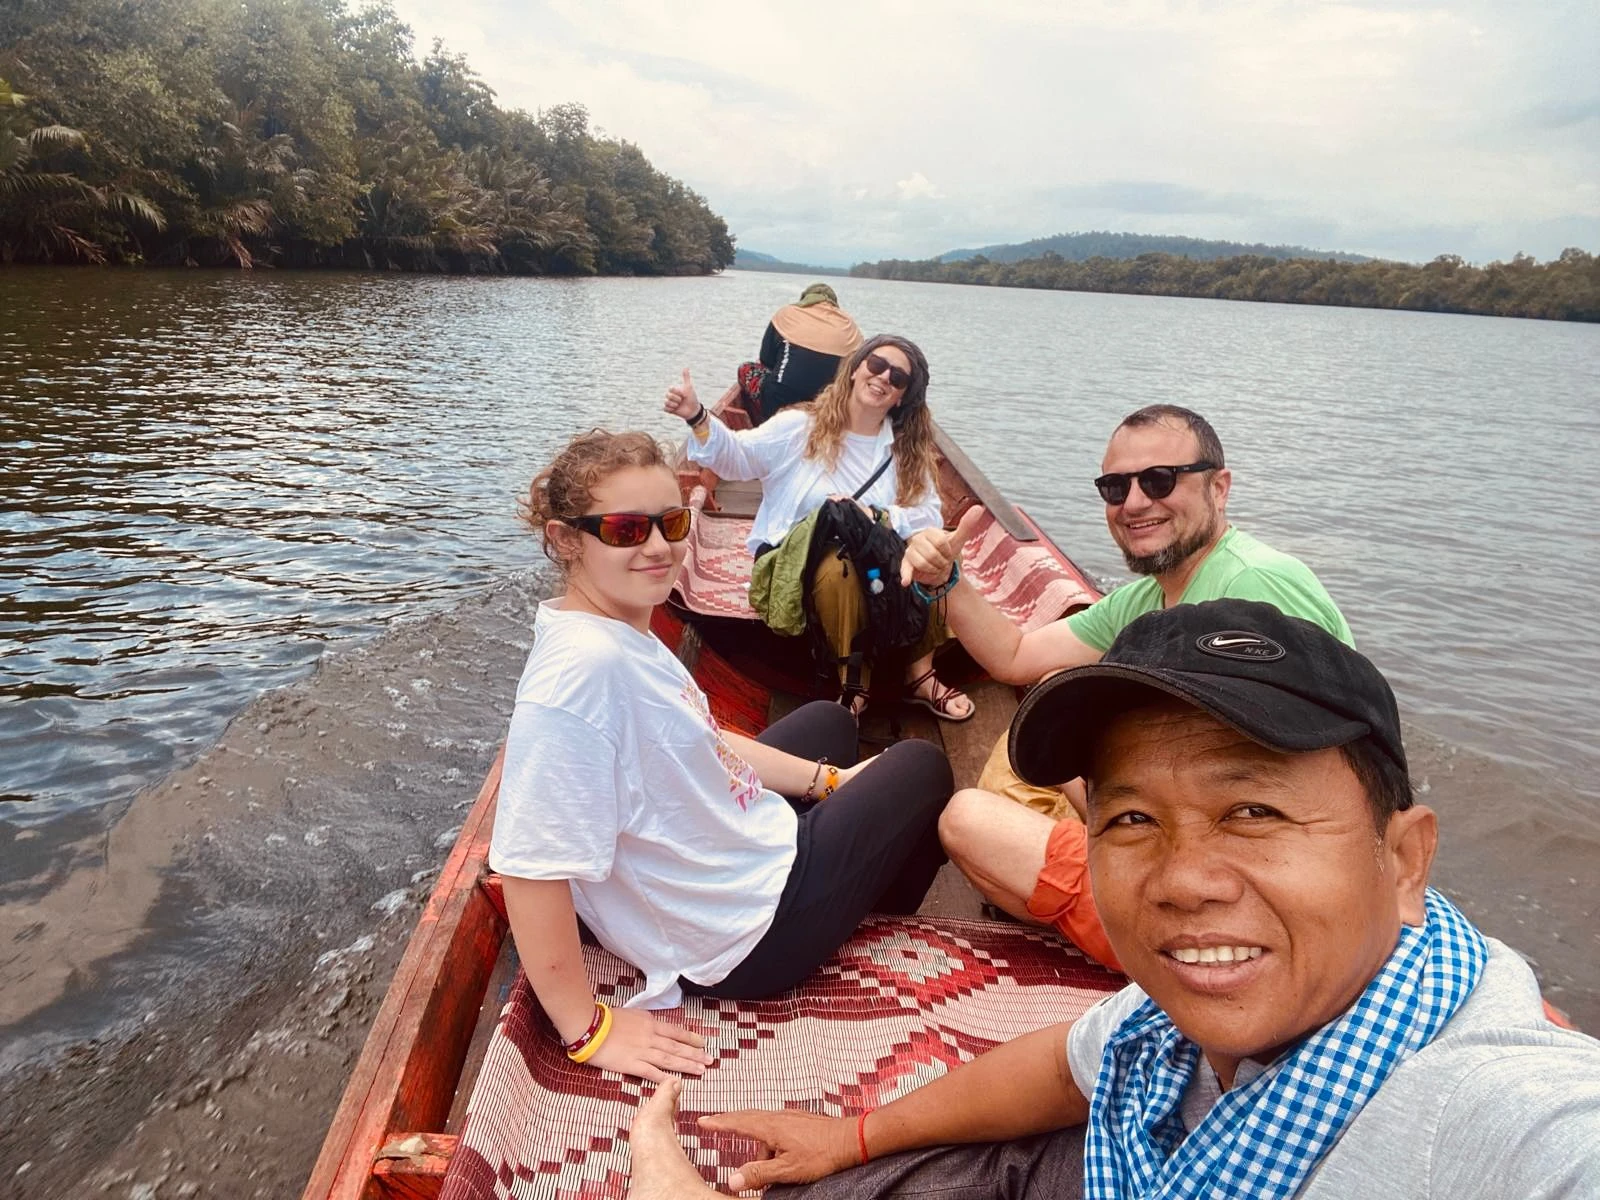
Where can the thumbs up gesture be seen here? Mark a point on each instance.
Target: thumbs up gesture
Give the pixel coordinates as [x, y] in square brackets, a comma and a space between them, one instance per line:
[681, 399]
[931, 553]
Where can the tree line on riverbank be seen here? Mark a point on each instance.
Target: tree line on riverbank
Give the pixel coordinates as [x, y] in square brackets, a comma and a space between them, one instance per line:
[1564, 289]
[1102, 243]
[306, 133]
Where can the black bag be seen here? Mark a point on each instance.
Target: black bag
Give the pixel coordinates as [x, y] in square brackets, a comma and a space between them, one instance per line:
[896, 617]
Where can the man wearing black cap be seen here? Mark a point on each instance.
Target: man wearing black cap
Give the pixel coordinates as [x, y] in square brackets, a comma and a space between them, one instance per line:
[1306, 1018]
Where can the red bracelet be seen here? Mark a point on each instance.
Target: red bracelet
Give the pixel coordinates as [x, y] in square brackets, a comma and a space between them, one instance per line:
[861, 1137]
[588, 1034]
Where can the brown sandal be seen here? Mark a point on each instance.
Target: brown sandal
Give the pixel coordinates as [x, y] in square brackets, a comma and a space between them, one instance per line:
[938, 701]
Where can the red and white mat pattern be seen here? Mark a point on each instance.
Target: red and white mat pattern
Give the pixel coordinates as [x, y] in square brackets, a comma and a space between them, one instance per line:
[903, 1002]
[1025, 580]
[715, 581]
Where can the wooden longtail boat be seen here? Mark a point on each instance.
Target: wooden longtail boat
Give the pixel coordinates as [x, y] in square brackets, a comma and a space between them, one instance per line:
[406, 1124]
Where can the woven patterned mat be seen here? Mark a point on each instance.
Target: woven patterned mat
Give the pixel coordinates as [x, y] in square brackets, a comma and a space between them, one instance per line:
[1022, 579]
[900, 1004]
[715, 581]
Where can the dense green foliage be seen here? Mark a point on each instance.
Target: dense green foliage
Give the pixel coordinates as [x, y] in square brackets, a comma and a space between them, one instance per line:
[305, 132]
[1081, 247]
[1566, 288]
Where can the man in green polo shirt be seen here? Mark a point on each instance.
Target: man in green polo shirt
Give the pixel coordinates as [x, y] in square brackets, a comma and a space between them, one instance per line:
[1165, 487]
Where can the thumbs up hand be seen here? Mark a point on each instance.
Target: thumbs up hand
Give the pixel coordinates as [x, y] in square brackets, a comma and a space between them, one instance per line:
[682, 400]
[931, 553]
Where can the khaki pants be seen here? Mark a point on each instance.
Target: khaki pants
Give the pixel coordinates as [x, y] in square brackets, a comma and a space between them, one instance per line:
[998, 777]
[842, 613]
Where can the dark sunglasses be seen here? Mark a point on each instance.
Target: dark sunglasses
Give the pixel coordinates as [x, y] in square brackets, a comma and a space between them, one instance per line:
[1155, 482]
[633, 529]
[879, 365]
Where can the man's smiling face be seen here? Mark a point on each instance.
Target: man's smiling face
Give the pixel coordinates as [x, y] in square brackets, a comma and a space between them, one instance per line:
[1249, 892]
[1155, 536]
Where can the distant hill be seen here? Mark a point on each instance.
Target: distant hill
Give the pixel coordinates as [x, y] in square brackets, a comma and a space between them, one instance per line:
[751, 260]
[1081, 247]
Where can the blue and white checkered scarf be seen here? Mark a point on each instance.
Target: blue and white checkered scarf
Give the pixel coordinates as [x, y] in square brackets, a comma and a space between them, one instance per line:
[1264, 1138]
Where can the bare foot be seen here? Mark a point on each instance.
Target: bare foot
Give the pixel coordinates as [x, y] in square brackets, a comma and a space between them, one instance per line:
[661, 1170]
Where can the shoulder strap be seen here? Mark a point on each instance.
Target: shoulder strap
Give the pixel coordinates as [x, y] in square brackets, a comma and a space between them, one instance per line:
[873, 478]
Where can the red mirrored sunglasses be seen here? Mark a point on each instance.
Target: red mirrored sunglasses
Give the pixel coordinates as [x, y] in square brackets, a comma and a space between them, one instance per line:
[633, 529]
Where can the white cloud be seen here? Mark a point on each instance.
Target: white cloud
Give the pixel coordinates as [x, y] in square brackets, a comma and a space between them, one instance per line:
[917, 187]
[1406, 128]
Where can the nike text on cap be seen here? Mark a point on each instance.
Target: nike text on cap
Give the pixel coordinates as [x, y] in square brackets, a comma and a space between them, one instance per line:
[1279, 680]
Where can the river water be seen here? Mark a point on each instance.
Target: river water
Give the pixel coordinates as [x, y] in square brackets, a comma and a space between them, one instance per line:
[209, 482]
[206, 479]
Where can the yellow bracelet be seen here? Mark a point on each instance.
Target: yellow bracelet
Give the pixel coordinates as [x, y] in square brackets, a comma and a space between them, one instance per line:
[592, 1046]
[832, 785]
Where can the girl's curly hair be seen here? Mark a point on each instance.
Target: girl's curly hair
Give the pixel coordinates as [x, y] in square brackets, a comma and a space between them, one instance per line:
[565, 488]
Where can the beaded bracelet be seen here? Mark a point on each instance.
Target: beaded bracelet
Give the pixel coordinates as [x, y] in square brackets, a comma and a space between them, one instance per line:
[828, 788]
[832, 785]
[594, 1037]
[943, 589]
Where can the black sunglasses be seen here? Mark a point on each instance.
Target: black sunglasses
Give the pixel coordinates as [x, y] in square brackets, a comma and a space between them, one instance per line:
[879, 365]
[1155, 482]
[633, 529]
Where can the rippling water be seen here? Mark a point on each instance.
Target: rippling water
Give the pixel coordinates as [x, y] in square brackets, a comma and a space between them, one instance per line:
[205, 479]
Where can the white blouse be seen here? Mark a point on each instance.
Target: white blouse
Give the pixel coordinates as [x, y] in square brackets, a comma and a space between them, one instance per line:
[794, 486]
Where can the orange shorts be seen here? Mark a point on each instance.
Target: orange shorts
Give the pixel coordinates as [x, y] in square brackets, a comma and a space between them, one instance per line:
[1062, 896]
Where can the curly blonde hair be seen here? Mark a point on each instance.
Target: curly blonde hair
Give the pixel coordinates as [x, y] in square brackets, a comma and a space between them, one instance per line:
[914, 453]
[565, 488]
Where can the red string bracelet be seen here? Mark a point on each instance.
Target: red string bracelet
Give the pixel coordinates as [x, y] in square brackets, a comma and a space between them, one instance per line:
[861, 1137]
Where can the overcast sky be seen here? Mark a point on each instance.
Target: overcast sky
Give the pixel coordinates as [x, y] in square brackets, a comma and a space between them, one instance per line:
[829, 132]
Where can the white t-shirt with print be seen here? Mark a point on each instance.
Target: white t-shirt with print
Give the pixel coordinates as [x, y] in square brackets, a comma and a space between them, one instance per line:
[617, 778]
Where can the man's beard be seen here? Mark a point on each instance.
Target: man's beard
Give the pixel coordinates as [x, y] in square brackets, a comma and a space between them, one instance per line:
[1174, 555]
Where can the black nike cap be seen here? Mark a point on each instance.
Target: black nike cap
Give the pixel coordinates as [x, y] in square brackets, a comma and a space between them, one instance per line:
[1279, 680]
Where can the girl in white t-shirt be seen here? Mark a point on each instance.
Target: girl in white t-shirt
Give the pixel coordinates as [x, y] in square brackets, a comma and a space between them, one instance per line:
[870, 427]
[713, 862]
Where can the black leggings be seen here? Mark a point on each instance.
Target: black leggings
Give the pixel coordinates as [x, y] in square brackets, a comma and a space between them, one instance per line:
[1043, 1166]
[872, 845]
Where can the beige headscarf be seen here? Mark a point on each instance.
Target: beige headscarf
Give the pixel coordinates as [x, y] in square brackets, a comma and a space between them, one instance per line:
[818, 323]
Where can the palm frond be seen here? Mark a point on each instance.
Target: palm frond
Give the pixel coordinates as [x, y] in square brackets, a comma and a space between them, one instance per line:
[54, 137]
[131, 204]
[50, 185]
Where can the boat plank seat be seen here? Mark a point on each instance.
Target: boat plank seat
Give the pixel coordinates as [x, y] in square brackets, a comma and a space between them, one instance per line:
[738, 498]
[905, 1000]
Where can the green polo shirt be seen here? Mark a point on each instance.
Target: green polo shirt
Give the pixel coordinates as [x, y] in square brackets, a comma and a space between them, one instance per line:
[1238, 568]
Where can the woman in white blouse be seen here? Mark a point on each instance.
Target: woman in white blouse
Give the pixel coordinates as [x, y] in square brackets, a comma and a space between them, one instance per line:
[875, 411]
